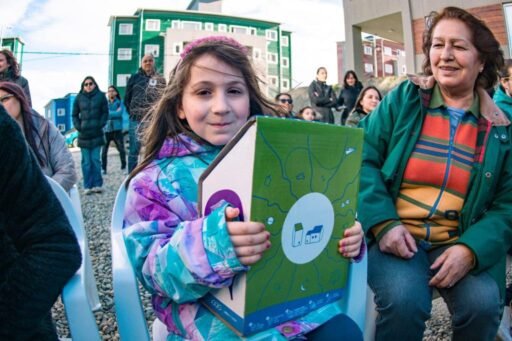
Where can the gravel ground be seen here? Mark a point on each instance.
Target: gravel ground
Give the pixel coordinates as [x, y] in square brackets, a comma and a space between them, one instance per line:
[97, 209]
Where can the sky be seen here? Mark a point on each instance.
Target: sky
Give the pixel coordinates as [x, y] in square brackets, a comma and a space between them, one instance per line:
[81, 27]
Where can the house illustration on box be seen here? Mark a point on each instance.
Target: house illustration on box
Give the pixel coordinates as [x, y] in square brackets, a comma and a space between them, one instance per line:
[293, 176]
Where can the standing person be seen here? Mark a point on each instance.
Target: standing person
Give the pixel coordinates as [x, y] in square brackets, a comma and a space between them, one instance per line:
[142, 91]
[43, 138]
[322, 96]
[212, 93]
[367, 100]
[10, 72]
[90, 113]
[114, 128]
[436, 187]
[285, 105]
[348, 95]
[38, 249]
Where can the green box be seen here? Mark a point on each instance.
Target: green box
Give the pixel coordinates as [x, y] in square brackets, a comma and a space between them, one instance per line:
[301, 180]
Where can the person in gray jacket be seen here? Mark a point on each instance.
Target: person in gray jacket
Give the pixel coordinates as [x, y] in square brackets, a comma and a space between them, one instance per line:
[43, 138]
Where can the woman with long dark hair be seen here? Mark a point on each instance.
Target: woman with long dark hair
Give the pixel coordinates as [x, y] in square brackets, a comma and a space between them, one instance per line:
[10, 72]
[43, 138]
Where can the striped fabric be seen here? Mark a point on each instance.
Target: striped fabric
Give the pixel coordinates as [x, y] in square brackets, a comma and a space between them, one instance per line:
[436, 177]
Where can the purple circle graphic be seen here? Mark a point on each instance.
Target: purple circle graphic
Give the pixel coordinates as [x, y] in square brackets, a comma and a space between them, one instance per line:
[227, 195]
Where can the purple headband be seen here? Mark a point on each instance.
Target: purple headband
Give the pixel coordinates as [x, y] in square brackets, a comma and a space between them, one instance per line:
[212, 39]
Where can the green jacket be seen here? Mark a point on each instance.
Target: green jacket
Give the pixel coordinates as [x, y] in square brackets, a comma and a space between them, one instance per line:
[391, 132]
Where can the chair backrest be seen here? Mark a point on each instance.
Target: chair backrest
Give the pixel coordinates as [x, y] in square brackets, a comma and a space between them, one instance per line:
[131, 322]
[354, 302]
[81, 320]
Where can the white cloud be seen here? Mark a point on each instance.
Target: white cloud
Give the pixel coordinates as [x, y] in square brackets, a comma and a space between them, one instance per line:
[72, 26]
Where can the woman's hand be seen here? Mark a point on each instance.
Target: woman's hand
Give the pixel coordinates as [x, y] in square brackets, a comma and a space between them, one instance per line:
[249, 238]
[350, 244]
[399, 242]
[453, 264]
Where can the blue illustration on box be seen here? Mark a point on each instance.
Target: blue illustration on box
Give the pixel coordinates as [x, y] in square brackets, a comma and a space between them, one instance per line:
[314, 235]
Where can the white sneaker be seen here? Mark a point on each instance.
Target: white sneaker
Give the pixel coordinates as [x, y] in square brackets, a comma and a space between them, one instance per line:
[88, 191]
[97, 190]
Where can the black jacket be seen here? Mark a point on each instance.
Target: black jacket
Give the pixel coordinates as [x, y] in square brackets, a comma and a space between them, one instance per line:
[38, 249]
[322, 98]
[347, 97]
[142, 91]
[90, 114]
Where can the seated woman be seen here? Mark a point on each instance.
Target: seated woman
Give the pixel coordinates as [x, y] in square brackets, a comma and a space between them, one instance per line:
[436, 187]
[42, 136]
[38, 249]
[367, 100]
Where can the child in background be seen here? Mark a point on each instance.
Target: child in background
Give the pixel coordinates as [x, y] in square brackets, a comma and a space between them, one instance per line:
[178, 255]
[307, 114]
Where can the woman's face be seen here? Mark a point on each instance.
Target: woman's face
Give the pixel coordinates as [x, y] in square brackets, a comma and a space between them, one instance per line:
[89, 85]
[370, 100]
[308, 114]
[112, 93]
[351, 80]
[454, 59]
[11, 104]
[322, 75]
[3, 63]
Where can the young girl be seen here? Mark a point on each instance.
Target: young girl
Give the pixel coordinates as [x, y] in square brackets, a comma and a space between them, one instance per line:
[178, 255]
[307, 114]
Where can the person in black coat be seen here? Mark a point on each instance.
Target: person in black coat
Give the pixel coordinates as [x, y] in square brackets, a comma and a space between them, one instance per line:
[90, 114]
[322, 96]
[38, 249]
[10, 72]
[348, 95]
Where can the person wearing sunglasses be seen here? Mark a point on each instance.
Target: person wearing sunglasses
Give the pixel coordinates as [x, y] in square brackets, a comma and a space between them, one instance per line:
[90, 114]
[285, 105]
[43, 138]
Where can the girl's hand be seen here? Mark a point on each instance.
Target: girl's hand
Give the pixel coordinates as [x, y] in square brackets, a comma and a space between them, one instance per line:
[350, 245]
[249, 238]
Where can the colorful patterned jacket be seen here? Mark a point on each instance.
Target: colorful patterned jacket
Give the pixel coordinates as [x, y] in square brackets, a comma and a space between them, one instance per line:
[179, 256]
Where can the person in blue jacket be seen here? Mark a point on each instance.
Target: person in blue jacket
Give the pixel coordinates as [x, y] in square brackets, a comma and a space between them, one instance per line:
[114, 128]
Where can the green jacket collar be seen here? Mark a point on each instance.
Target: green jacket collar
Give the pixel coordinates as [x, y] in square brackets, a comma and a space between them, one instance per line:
[488, 109]
[437, 101]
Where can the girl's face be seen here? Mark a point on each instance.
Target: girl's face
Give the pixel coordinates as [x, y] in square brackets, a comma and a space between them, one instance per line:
[11, 104]
[215, 101]
[351, 80]
[112, 93]
[3, 63]
[370, 100]
[308, 114]
[89, 85]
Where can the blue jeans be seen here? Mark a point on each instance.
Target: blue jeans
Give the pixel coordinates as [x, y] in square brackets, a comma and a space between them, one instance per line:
[404, 298]
[91, 167]
[133, 151]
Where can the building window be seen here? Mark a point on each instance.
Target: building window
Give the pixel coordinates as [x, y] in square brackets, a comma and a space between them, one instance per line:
[124, 54]
[284, 41]
[153, 49]
[285, 62]
[125, 29]
[239, 29]
[388, 51]
[62, 127]
[191, 25]
[271, 35]
[368, 50]
[272, 58]
[152, 24]
[404, 69]
[122, 79]
[253, 31]
[177, 48]
[368, 68]
[208, 26]
[256, 53]
[388, 68]
[272, 80]
[223, 28]
[175, 24]
[284, 84]
[61, 112]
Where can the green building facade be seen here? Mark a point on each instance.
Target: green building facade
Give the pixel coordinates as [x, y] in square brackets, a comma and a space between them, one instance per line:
[165, 34]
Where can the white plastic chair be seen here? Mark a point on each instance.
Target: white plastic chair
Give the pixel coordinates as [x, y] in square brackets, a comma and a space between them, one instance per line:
[131, 322]
[90, 280]
[81, 320]
[130, 314]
